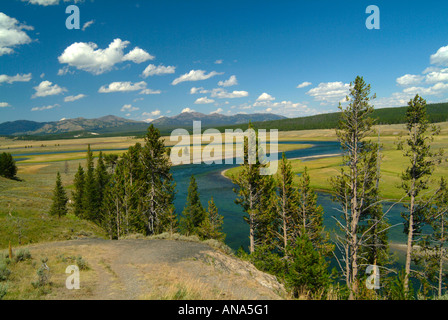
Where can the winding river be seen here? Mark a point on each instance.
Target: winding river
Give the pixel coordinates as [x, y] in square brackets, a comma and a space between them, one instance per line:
[211, 183]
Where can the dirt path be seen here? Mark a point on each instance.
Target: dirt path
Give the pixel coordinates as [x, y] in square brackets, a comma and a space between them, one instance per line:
[160, 269]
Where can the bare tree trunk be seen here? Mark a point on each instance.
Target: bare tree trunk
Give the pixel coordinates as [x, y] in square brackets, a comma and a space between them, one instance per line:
[409, 243]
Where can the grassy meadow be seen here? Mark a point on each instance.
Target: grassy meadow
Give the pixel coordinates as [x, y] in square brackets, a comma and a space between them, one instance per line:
[392, 164]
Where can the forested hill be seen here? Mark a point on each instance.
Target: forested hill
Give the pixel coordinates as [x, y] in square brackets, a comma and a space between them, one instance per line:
[436, 112]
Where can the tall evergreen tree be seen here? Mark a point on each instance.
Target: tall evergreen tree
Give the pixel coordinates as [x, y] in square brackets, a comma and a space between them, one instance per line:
[432, 255]
[78, 193]
[59, 205]
[353, 183]
[310, 217]
[287, 205]
[256, 194]
[417, 150]
[159, 190]
[90, 199]
[194, 213]
[101, 178]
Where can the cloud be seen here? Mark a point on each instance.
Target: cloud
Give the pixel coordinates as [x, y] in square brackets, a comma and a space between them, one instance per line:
[152, 113]
[436, 89]
[47, 88]
[204, 100]
[123, 87]
[220, 61]
[4, 105]
[12, 34]
[265, 97]
[87, 56]
[304, 85]
[286, 108]
[152, 70]
[49, 2]
[440, 58]
[223, 94]
[330, 92]
[409, 80]
[437, 76]
[150, 91]
[228, 83]
[195, 75]
[195, 90]
[138, 55]
[128, 108]
[74, 98]
[45, 108]
[16, 78]
[187, 110]
[87, 24]
[219, 110]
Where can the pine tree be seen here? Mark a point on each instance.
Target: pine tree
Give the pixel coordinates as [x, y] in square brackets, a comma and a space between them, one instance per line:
[256, 194]
[432, 255]
[287, 205]
[59, 206]
[8, 168]
[416, 176]
[159, 189]
[353, 183]
[193, 213]
[90, 200]
[211, 226]
[78, 193]
[101, 178]
[308, 270]
[309, 220]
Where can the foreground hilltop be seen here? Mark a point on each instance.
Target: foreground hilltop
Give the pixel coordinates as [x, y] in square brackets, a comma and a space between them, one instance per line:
[145, 269]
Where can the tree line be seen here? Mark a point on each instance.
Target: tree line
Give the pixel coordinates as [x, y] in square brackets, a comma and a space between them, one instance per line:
[134, 193]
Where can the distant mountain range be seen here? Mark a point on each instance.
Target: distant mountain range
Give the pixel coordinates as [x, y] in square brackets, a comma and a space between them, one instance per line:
[113, 125]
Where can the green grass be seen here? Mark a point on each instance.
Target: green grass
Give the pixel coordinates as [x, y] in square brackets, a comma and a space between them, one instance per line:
[24, 207]
[392, 165]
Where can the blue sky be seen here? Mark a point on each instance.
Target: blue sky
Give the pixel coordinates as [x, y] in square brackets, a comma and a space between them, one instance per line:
[145, 59]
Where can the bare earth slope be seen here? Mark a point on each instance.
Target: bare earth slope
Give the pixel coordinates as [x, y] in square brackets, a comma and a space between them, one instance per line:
[157, 269]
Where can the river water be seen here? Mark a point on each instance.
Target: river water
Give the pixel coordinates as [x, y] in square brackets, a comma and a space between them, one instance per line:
[212, 184]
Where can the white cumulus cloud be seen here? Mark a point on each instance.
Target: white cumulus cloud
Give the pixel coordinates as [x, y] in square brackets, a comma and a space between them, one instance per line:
[223, 94]
[123, 87]
[265, 97]
[128, 108]
[17, 78]
[330, 92]
[12, 34]
[4, 104]
[152, 70]
[204, 100]
[87, 56]
[304, 85]
[195, 75]
[440, 57]
[47, 88]
[232, 81]
[409, 80]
